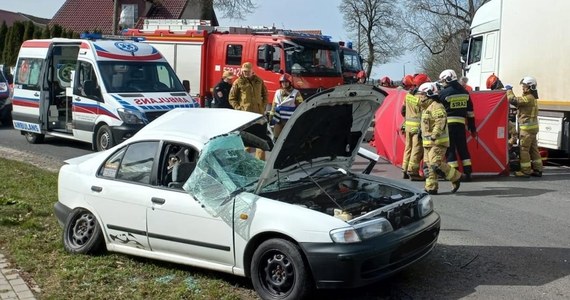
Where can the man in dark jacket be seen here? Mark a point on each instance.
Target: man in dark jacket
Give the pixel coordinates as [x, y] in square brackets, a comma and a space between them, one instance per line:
[459, 110]
[222, 91]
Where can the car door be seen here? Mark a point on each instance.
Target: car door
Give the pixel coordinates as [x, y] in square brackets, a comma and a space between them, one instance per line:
[179, 225]
[86, 100]
[122, 194]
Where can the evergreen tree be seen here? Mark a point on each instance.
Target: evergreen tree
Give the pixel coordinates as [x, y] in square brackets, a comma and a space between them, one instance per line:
[46, 32]
[38, 32]
[29, 28]
[16, 35]
[56, 31]
[3, 34]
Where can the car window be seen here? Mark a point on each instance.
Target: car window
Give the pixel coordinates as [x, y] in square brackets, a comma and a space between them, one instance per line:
[178, 161]
[134, 163]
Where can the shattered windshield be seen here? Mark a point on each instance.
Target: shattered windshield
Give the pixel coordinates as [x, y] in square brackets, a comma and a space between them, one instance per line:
[223, 168]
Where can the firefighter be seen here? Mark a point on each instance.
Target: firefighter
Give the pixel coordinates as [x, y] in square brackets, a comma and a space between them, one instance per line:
[435, 139]
[494, 83]
[222, 91]
[527, 105]
[285, 102]
[361, 77]
[459, 110]
[408, 82]
[249, 93]
[413, 151]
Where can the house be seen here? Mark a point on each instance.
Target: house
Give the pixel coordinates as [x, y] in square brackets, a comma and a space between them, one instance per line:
[82, 15]
[11, 17]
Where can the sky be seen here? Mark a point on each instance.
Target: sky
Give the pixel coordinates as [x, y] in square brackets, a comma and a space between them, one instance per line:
[321, 15]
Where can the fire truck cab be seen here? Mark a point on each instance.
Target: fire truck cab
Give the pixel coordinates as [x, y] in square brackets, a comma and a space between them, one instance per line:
[200, 54]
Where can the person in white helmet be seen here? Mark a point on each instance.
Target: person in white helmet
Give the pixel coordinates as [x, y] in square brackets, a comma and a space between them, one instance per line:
[527, 115]
[435, 139]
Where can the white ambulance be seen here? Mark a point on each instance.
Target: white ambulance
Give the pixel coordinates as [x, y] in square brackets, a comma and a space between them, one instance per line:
[97, 91]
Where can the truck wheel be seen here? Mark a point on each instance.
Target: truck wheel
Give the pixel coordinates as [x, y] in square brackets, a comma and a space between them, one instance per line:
[82, 233]
[104, 139]
[34, 138]
[279, 272]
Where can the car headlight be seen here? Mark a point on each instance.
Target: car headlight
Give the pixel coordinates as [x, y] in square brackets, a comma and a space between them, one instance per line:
[362, 231]
[425, 206]
[130, 116]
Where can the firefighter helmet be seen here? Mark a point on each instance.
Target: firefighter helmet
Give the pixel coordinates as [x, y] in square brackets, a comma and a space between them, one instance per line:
[421, 78]
[408, 80]
[492, 81]
[385, 81]
[286, 77]
[361, 75]
[448, 75]
[428, 88]
[530, 81]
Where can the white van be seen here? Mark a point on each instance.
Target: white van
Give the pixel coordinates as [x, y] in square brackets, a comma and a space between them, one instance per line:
[97, 91]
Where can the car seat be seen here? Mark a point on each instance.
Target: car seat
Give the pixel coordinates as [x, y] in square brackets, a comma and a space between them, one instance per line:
[180, 173]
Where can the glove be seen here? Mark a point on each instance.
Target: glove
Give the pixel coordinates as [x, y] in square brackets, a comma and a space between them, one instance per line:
[508, 87]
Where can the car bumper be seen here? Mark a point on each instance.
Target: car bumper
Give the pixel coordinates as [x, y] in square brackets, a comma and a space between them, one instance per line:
[61, 212]
[123, 132]
[353, 265]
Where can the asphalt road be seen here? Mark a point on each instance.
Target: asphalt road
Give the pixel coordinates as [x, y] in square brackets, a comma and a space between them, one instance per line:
[501, 238]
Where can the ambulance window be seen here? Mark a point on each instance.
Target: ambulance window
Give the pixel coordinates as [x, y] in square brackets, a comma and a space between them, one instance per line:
[28, 73]
[86, 83]
[233, 55]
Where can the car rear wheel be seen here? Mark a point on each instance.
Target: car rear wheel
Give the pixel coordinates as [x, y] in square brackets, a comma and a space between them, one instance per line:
[104, 139]
[34, 138]
[82, 233]
[278, 271]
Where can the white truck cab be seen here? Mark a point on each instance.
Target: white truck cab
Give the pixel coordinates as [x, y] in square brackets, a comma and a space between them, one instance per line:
[96, 91]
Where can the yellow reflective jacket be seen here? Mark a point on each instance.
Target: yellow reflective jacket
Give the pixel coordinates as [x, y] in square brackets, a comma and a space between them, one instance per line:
[413, 113]
[249, 94]
[527, 114]
[434, 125]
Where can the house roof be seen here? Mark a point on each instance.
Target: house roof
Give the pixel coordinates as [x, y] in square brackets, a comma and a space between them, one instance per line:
[82, 15]
[11, 17]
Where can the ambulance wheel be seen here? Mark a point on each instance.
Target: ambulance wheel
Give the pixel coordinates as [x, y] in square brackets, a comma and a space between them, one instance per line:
[34, 138]
[104, 139]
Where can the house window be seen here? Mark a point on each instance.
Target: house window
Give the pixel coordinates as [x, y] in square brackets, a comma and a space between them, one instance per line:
[129, 15]
[233, 55]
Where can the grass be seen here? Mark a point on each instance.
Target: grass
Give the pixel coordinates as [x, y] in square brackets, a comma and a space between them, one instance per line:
[32, 239]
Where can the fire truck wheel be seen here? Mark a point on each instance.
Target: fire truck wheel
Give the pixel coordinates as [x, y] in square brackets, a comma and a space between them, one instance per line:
[104, 139]
[34, 138]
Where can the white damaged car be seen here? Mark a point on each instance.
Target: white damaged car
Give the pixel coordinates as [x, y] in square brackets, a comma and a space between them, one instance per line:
[185, 190]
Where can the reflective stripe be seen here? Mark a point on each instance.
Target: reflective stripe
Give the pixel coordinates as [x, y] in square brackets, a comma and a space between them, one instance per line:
[466, 162]
[454, 119]
[470, 114]
[457, 101]
[524, 127]
[525, 165]
[411, 99]
[451, 174]
[454, 164]
[412, 123]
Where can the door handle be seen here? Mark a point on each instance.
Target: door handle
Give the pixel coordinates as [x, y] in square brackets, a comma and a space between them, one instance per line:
[158, 200]
[36, 94]
[96, 188]
[77, 99]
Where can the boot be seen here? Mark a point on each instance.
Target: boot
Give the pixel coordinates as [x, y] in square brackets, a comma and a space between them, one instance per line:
[405, 175]
[536, 174]
[522, 174]
[466, 177]
[455, 184]
[416, 177]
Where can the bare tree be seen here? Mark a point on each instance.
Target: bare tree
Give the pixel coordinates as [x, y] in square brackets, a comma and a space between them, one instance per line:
[233, 9]
[372, 23]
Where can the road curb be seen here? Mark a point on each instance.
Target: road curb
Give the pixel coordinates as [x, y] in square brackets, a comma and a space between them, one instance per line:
[12, 286]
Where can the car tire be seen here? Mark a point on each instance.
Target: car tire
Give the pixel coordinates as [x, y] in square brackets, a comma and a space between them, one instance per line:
[34, 138]
[104, 139]
[82, 233]
[278, 271]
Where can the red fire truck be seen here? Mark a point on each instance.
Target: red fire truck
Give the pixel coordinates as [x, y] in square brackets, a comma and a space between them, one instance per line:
[351, 62]
[200, 53]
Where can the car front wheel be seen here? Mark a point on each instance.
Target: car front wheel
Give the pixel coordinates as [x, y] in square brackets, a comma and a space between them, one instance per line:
[279, 272]
[82, 233]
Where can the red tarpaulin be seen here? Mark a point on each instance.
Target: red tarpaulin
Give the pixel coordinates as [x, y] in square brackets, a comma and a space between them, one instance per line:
[489, 153]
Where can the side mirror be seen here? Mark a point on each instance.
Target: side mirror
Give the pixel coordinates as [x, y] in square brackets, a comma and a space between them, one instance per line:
[464, 50]
[186, 84]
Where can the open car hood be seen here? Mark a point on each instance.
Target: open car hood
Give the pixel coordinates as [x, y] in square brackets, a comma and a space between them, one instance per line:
[325, 130]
